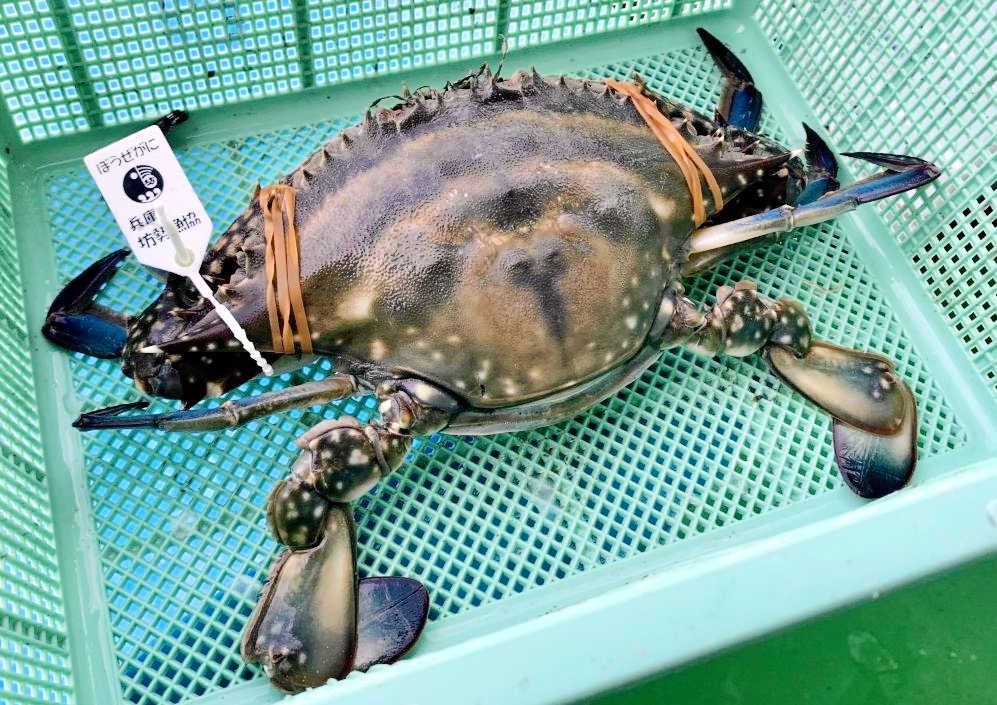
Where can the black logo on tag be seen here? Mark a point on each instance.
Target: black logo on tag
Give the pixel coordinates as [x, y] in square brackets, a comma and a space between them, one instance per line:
[143, 184]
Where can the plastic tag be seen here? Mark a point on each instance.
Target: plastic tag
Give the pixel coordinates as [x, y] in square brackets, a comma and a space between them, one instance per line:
[160, 215]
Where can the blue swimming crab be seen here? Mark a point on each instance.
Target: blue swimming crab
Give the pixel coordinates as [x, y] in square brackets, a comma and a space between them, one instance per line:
[494, 257]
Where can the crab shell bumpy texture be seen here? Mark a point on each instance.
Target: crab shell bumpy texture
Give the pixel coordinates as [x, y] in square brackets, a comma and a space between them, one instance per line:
[504, 239]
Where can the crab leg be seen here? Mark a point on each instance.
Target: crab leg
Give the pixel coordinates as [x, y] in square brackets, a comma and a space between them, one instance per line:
[229, 414]
[875, 417]
[902, 174]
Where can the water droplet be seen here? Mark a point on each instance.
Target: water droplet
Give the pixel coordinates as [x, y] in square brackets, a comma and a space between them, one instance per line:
[185, 524]
[991, 510]
[244, 586]
[866, 651]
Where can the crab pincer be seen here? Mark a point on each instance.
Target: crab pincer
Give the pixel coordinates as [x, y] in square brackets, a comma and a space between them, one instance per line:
[314, 621]
[875, 417]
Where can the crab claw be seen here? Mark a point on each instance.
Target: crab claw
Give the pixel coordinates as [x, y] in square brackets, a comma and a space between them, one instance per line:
[741, 103]
[304, 628]
[875, 417]
[861, 389]
[871, 465]
[314, 623]
[76, 323]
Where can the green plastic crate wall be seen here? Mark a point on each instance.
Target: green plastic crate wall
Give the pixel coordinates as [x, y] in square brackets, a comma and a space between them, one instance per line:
[71, 65]
[34, 663]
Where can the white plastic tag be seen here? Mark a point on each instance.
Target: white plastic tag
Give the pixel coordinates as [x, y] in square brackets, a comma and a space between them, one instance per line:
[160, 215]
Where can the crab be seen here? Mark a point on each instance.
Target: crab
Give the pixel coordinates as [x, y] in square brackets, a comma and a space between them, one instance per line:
[494, 257]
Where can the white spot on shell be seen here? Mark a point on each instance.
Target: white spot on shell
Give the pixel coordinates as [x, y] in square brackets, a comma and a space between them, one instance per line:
[590, 345]
[460, 384]
[484, 370]
[625, 302]
[664, 208]
[317, 512]
[801, 321]
[634, 280]
[356, 306]
[437, 355]
[453, 339]
[214, 389]
[760, 173]
[885, 383]
[378, 350]
[608, 356]
[302, 657]
[785, 339]
[867, 369]
[534, 373]
[631, 322]
[877, 394]
[357, 457]
[411, 330]
[736, 324]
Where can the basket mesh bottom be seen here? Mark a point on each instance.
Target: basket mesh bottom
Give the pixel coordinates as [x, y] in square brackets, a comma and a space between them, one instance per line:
[895, 51]
[693, 445]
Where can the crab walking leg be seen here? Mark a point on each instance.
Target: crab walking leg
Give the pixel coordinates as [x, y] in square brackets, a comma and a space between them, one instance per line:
[231, 413]
[902, 174]
[875, 426]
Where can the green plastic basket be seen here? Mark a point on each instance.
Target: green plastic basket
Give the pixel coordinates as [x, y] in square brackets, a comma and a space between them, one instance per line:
[693, 510]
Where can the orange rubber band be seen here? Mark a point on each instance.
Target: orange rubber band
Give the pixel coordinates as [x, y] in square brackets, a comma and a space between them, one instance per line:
[688, 160]
[282, 268]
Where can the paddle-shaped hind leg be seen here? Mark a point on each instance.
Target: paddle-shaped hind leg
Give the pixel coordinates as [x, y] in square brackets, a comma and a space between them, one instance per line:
[875, 418]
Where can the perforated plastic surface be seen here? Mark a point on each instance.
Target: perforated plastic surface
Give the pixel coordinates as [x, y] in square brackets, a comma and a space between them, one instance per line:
[543, 21]
[894, 51]
[693, 446]
[70, 65]
[34, 665]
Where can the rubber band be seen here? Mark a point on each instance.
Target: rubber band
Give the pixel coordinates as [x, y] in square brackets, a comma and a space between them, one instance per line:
[282, 269]
[688, 160]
